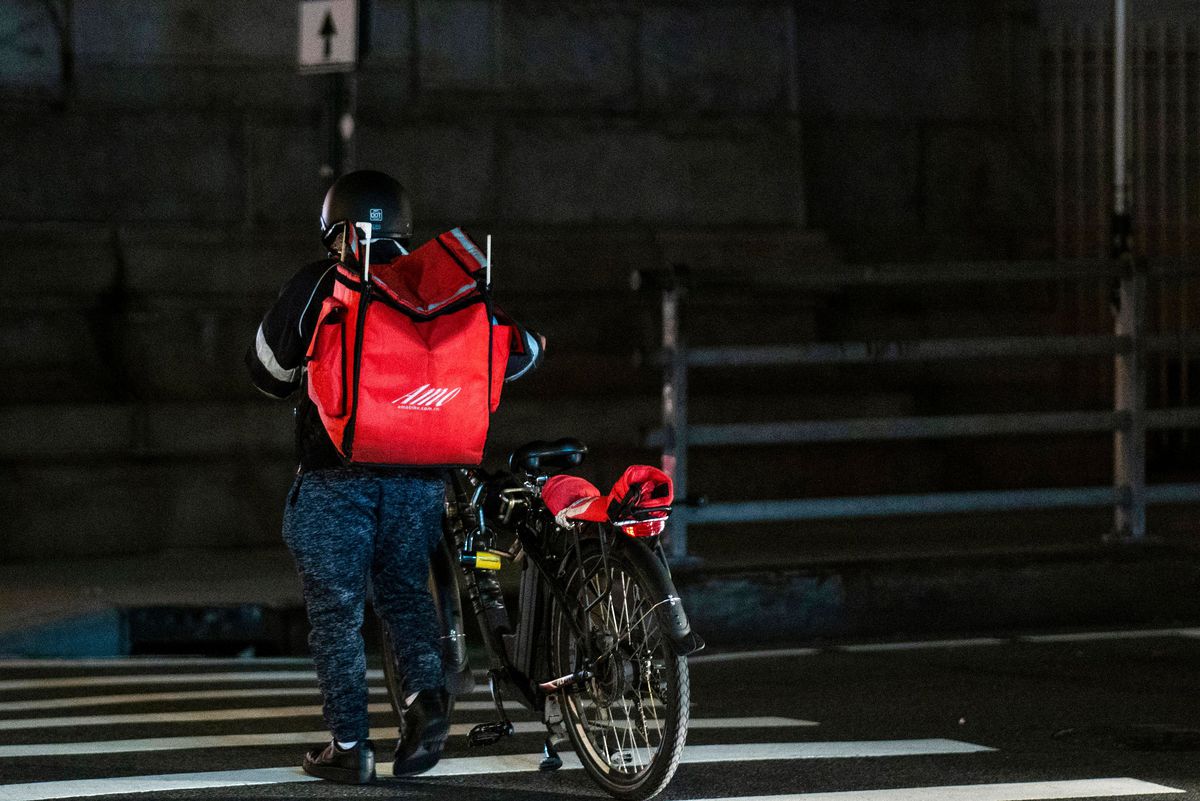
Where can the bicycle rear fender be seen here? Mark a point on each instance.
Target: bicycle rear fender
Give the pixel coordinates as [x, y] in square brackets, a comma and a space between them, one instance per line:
[669, 608]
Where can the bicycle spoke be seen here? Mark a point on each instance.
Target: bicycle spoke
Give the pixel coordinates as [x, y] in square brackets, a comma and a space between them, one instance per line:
[632, 751]
[623, 714]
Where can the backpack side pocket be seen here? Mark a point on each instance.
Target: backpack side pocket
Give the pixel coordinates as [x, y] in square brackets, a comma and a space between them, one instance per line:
[327, 363]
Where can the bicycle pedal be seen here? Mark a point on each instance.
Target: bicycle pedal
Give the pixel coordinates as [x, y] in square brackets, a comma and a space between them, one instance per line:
[568, 682]
[550, 758]
[489, 733]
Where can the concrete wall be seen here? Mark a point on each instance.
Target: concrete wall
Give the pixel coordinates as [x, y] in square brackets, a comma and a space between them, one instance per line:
[537, 112]
[157, 200]
[921, 128]
[919, 120]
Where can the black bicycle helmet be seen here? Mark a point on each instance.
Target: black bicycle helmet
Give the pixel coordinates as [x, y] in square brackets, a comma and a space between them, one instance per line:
[367, 196]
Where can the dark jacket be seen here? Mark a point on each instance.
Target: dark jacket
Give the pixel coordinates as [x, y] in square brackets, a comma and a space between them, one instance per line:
[276, 358]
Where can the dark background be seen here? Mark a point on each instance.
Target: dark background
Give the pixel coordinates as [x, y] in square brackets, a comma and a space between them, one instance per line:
[161, 165]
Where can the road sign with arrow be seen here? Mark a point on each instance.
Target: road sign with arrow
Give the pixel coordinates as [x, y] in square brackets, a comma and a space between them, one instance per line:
[328, 35]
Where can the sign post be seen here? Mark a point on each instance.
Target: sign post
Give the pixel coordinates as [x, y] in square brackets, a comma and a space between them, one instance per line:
[328, 42]
[1129, 307]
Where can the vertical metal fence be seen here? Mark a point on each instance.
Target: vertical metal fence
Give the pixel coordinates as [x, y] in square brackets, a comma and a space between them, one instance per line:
[1163, 131]
[1163, 75]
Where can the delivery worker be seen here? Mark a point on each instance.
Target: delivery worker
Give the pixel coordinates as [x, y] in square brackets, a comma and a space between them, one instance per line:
[354, 529]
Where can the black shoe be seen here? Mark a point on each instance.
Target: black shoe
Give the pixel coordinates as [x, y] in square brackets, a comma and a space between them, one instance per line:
[349, 766]
[426, 726]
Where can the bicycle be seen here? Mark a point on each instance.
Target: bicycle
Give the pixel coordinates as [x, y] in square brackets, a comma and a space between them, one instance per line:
[599, 649]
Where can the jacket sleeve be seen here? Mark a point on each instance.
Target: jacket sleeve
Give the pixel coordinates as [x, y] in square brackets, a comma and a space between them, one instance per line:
[527, 348]
[276, 357]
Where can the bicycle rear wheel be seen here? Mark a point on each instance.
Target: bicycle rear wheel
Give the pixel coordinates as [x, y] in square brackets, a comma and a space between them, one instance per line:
[629, 721]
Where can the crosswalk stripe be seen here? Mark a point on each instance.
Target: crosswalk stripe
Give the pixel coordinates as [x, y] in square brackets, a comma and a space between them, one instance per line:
[871, 647]
[740, 723]
[172, 743]
[1016, 791]
[311, 737]
[1085, 636]
[124, 699]
[708, 754]
[239, 677]
[738, 656]
[174, 717]
[829, 750]
[155, 662]
[83, 788]
[695, 754]
[1096, 636]
[202, 715]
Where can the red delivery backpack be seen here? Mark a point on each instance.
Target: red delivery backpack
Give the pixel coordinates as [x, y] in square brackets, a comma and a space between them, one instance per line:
[405, 365]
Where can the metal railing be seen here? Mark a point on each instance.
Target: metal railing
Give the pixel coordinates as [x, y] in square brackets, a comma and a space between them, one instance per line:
[1129, 420]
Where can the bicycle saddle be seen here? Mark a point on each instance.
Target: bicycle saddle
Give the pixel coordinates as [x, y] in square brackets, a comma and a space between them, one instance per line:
[541, 457]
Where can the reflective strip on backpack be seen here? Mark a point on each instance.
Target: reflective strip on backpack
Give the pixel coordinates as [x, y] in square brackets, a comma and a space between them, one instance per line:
[469, 246]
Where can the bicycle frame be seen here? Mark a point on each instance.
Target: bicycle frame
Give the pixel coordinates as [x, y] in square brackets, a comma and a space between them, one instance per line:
[515, 656]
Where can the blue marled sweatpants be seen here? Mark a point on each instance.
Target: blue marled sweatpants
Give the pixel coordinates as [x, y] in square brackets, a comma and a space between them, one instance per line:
[352, 531]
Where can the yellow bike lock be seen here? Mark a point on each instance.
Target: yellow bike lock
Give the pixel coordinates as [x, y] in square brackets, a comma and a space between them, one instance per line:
[482, 560]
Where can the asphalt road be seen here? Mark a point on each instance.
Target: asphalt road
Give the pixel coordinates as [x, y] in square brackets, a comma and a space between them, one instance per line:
[1004, 718]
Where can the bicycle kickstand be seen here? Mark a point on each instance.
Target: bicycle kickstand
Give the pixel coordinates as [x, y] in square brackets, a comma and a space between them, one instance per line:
[555, 736]
[492, 733]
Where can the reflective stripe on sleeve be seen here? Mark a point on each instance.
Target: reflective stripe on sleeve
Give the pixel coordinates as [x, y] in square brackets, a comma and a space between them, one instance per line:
[533, 347]
[267, 357]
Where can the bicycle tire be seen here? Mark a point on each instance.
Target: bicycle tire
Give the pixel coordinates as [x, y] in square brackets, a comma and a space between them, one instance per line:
[449, 620]
[662, 675]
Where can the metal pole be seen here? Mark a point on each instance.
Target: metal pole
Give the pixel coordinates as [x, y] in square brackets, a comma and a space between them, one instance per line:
[331, 165]
[1129, 390]
[674, 413]
[1129, 444]
[341, 94]
[1120, 182]
[348, 123]
[1060, 143]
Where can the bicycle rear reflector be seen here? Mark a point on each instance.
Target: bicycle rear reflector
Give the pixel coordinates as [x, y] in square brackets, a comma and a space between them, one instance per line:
[646, 528]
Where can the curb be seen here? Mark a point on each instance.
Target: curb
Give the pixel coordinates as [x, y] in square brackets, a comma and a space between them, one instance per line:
[1142, 586]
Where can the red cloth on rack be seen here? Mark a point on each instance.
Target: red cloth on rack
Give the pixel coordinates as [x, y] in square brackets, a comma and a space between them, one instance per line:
[574, 498]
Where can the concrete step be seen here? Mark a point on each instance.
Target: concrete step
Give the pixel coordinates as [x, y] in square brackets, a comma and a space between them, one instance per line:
[64, 432]
[192, 347]
[141, 504]
[174, 350]
[166, 312]
[121, 478]
[192, 486]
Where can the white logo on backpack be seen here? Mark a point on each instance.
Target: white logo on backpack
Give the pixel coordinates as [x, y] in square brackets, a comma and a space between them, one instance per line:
[426, 398]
